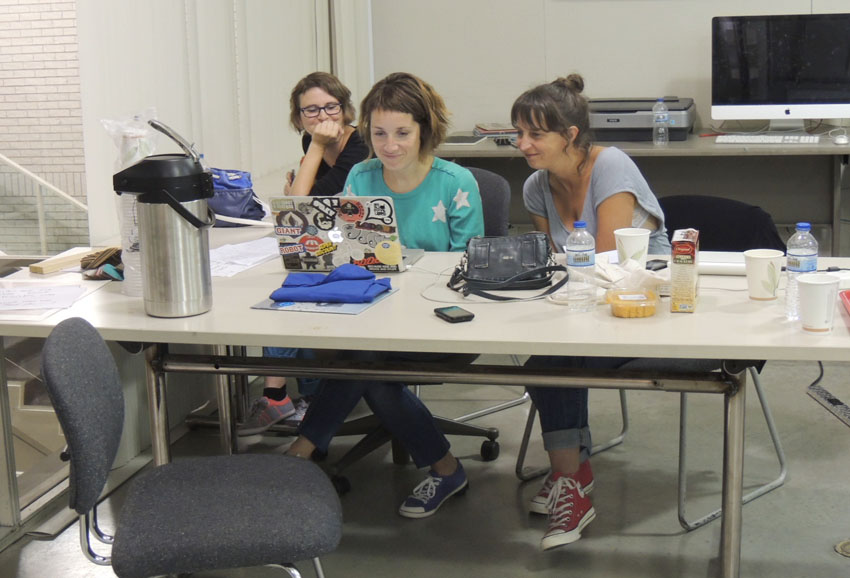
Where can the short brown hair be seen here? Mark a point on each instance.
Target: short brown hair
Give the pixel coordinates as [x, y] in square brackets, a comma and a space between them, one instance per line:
[555, 107]
[404, 92]
[330, 84]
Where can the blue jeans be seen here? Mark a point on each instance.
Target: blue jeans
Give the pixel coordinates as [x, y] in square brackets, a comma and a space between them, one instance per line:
[401, 412]
[306, 385]
[563, 411]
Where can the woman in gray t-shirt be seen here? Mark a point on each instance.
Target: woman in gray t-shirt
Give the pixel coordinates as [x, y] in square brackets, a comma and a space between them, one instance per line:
[575, 181]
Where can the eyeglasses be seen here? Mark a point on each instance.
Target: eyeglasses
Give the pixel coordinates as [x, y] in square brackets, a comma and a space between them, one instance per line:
[313, 111]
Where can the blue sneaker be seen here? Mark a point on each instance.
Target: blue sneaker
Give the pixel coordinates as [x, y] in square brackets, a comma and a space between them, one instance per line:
[428, 496]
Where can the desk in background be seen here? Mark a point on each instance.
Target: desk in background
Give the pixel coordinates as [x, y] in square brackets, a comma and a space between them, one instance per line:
[791, 182]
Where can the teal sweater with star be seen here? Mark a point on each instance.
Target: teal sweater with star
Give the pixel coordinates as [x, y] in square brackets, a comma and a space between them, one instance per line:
[441, 214]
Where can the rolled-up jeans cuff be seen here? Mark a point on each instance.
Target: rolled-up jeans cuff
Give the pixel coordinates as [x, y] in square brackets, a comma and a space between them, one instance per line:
[568, 438]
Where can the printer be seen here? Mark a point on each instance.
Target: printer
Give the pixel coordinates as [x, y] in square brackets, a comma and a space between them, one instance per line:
[630, 119]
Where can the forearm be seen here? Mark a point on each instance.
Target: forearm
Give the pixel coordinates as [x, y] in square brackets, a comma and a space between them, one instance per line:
[305, 178]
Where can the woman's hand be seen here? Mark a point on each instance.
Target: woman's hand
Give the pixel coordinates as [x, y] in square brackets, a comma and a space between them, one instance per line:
[287, 184]
[326, 133]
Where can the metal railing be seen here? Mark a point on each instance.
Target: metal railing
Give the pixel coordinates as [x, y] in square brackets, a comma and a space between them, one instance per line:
[39, 199]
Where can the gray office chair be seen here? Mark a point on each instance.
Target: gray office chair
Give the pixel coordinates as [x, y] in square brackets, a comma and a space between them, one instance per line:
[724, 225]
[191, 515]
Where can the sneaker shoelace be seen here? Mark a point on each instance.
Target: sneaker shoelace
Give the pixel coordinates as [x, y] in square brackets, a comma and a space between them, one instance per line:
[546, 489]
[257, 408]
[561, 501]
[426, 489]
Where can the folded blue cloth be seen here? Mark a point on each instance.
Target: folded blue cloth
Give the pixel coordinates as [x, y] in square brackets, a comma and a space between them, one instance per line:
[346, 284]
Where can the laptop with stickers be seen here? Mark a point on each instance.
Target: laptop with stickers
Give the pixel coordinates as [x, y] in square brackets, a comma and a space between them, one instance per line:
[321, 233]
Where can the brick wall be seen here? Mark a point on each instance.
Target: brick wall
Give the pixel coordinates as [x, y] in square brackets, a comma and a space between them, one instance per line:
[40, 124]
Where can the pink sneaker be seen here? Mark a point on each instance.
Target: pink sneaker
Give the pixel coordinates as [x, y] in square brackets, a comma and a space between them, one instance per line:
[570, 511]
[264, 414]
[584, 477]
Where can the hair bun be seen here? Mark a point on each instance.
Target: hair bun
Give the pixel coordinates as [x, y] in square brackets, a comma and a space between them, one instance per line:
[573, 82]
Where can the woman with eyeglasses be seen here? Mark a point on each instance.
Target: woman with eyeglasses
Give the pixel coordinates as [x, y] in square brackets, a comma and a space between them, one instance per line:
[321, 108]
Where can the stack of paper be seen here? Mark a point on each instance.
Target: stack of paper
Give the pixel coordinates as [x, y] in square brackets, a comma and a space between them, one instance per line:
[228, 260]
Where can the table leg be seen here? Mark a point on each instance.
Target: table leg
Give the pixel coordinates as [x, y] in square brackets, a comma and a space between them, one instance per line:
[838, 167]
[155, 382]
[225, 422]
[10, 511]
[733, 477]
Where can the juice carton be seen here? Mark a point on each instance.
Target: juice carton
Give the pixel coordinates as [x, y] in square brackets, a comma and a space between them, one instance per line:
[684, 279]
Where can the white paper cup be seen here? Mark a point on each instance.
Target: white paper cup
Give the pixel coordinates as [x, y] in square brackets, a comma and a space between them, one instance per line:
[818, 295]
[764, 268]
[632, 244]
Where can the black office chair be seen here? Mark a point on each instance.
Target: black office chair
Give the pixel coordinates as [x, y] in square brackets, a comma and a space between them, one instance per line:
[191, 515]
[496, 200]
[724, 225]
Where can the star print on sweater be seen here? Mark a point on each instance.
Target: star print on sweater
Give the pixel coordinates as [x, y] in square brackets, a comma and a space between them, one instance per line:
[439, 212]
[461, 199]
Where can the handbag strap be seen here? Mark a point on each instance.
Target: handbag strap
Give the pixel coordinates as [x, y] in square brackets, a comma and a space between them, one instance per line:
[457, 283]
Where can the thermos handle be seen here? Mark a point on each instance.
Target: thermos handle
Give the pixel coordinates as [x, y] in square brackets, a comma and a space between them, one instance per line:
[169, 132]
[183, 212]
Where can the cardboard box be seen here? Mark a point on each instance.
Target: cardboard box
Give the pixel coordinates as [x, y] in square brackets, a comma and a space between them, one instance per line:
[684, 278]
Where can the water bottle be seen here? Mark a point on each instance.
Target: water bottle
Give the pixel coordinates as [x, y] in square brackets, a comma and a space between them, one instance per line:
[660, 123]
[581, 267]
[802, 257]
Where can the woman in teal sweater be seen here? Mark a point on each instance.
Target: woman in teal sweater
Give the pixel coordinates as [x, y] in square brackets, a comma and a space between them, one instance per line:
[438, 209]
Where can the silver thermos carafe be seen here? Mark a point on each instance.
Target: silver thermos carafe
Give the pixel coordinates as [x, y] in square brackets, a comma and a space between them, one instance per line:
[174, 223]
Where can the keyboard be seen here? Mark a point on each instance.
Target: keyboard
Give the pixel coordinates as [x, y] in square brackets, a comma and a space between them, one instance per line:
[790, 139]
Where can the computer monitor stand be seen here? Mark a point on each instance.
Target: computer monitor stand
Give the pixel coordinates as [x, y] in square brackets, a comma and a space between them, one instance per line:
[787, 125]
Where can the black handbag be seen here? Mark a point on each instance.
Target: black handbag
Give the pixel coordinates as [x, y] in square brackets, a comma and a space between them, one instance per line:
[506, 264]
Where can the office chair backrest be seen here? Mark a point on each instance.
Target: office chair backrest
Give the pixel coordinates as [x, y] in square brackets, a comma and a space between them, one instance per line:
[723, 224]
[496, 200]
[83, 383]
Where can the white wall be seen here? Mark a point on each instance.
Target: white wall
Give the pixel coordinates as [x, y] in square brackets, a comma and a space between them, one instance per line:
[219, 72]
[482, 54]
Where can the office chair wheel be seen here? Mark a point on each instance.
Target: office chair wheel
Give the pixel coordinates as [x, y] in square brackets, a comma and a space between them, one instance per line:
[489, 450]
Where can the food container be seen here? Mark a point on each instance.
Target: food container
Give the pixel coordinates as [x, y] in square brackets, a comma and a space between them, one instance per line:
[632, 303]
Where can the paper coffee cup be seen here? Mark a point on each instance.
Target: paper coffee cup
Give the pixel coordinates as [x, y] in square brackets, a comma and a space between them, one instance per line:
[632, 244]
[818, 296]
[764, 269]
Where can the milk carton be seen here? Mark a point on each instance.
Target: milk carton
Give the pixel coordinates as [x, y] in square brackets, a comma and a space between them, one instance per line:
[684, 279]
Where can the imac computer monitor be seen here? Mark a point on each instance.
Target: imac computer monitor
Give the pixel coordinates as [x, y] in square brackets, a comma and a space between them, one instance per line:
[784, 69]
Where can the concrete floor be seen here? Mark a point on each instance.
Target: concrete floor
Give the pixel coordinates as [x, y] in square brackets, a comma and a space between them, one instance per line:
[790, 532]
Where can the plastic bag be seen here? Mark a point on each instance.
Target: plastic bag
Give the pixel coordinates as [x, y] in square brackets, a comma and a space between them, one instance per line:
[135, 140]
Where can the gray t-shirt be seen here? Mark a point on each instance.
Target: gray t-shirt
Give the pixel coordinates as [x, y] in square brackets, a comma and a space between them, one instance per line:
[613, 172]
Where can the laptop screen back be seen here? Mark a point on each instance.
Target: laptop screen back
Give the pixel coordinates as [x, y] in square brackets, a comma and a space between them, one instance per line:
[321, 233]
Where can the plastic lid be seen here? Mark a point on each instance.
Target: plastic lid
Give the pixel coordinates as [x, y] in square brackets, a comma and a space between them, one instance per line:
[659, 99]
[179, 174]
[803, 226]
[579, 225]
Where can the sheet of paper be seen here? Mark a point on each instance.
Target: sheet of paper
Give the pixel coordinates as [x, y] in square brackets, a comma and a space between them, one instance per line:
[228, 260]
[39, 297]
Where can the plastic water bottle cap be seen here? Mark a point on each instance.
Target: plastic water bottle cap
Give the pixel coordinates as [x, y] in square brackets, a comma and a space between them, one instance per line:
[579, 225]
[660, 99]
[804, 226]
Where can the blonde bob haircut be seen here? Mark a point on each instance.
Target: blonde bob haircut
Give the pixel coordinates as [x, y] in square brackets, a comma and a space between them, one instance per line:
[330, 84]
[404, 92]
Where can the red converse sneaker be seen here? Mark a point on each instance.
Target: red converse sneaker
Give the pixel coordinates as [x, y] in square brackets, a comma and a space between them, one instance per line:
[570, 511]
[584, 477]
